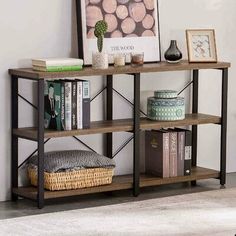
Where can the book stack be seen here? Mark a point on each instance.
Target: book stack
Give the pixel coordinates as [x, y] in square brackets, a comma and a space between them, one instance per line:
[57, 64]
[168, 152]
[67, 104]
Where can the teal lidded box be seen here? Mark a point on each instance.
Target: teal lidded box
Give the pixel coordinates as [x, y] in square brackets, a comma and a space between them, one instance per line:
[166, 106]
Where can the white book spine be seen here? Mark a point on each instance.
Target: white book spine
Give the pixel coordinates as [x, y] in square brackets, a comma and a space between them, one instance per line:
[68, 106]
[57, 62]
[79, 104]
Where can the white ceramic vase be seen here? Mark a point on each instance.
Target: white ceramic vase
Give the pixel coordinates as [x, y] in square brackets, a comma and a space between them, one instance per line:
[100, 60]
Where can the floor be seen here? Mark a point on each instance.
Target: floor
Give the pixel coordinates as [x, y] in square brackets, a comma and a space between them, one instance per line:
[26, 207]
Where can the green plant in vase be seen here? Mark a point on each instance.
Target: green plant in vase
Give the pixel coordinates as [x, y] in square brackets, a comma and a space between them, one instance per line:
[100, 59]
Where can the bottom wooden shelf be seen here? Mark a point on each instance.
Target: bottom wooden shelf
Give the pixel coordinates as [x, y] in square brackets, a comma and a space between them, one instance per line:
[120, 183]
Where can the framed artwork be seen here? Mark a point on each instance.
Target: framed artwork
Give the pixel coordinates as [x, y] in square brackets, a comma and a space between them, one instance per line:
[133, 26]
[201, 45]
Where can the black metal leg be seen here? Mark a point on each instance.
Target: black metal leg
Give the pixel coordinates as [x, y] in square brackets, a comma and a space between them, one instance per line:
[40, 144]
[14, 139]
[194, 128]
[223, 126]
[109, 113]
[136, 148]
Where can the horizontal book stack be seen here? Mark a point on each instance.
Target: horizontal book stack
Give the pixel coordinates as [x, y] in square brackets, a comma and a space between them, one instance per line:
[57, 64]
[67, 104]
[168, 152]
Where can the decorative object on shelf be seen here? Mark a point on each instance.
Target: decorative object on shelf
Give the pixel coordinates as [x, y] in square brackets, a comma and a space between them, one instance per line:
[100, 58]
[165, 94]
[119, 60]
[201, 45]
[132, 26]
[137, 59]
[166, 109]
[173, 54]
[74, 169]
[57, 64]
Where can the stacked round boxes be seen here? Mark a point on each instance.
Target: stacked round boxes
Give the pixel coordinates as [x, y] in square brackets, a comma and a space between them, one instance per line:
[166, 106]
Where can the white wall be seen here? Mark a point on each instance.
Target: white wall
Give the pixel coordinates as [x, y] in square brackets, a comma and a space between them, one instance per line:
[31, 29]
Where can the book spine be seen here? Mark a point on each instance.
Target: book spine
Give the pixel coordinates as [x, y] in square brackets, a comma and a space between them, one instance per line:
[57, 68]
[63, 68]
[173, 154]
[63, 106]
[86, 104]
[52, 105]
[79, 105]
[74, 105]
[68, 110]
[46, 113]
[181, 153]
[57, 96]
[166, 155]
[58, 62]
[188, 153]
[157, 153]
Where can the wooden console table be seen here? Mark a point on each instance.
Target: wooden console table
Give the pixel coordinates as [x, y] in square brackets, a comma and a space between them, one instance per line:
[136, 180]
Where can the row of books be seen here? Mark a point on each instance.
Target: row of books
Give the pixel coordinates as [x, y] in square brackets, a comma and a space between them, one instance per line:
[168, 152]
[57, 64]
[67, 104]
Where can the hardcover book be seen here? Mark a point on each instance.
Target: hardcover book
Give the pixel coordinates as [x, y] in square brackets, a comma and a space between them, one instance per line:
[181, 152]
[74, 105]
[188, 152]
[52, 105]
[157, 153]
[57, 68]
[63, 106]
[68, 105]
[84, 120]
[86, 105]
[79, 104]
[173, 153]
[46, 62]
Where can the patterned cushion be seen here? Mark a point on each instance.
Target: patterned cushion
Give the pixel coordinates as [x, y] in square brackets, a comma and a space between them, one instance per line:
[59, 161]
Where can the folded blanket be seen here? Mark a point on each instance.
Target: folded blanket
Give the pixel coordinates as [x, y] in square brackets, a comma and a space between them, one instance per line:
[58, 161]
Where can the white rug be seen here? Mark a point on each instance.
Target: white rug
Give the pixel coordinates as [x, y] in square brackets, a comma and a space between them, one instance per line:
[207, 213]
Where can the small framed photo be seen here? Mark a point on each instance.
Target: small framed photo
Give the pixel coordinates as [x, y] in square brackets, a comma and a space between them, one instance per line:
[201, 45]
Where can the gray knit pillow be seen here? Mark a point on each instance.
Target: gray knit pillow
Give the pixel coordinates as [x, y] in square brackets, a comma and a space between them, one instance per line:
[58, 161]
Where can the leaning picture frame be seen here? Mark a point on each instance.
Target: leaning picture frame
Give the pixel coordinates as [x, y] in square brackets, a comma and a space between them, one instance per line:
[201, 44]
[133, 27]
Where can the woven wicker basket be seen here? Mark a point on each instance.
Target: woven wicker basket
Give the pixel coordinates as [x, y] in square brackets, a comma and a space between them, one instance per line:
[73, 179]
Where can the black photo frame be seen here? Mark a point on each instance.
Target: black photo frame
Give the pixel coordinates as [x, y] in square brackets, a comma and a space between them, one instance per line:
[141, 39]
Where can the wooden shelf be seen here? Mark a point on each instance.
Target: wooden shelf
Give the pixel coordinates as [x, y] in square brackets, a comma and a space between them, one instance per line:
[119, 126]
[146, 68]
[120, 183]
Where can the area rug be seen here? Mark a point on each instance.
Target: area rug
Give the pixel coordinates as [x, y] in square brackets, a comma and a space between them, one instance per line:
[205, 213]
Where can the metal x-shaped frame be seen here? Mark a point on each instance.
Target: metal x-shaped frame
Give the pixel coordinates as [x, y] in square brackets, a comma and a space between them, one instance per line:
[119, 149]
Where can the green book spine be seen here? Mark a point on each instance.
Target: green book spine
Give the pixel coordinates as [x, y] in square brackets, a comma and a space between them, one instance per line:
[63, 68]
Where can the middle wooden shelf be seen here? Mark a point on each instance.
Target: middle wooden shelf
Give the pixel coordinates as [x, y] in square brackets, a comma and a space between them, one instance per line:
[121, 125]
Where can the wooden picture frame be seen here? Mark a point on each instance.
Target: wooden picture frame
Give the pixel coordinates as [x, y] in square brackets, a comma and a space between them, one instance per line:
[126, 29]
[201, 44]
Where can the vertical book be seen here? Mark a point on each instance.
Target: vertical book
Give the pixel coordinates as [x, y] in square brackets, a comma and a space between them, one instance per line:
[181, 152]
[86, 104]
[188, 152]
[52, 105]
[173, 153]
[157, 153]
